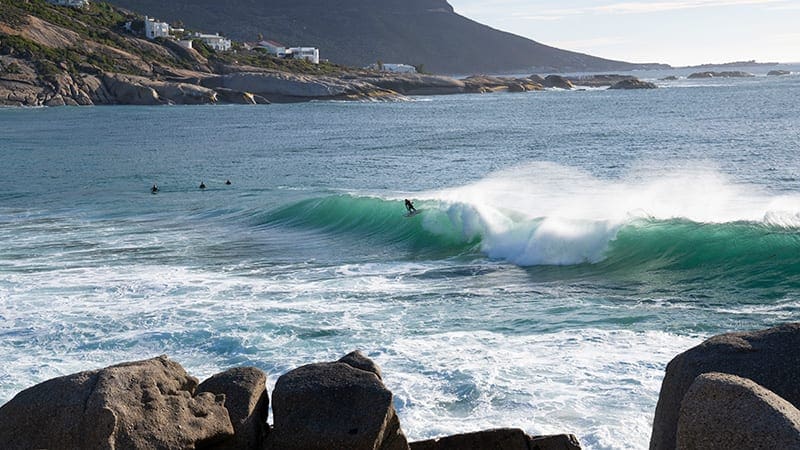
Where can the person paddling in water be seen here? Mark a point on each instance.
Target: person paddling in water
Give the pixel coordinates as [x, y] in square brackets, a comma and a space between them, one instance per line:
[410, 206]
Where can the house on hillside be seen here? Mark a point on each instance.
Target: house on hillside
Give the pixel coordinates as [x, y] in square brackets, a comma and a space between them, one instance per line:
[273, 48]
[214, 41]
[72, 3]
[393, 68]
[310, 54]
[154, 29]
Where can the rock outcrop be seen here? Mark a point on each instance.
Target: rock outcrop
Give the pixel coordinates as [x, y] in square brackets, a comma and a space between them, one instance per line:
[778, 73]
[139, 405]
[330, 406]
[416, 84]
[483, 84]
[288, 87]
[502, 438]
[767, 357]
[247, 402]
[633, 84]
[599, 80]
[721, 412]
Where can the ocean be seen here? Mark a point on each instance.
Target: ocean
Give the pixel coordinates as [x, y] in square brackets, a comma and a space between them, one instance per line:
[570, 243]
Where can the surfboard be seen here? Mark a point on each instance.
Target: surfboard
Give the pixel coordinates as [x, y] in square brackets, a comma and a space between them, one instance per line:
[412, 213]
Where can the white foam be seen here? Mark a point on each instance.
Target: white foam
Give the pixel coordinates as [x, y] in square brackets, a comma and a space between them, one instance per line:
[544, 384]
[544, 213]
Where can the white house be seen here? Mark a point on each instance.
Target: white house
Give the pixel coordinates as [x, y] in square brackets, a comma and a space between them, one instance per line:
[185, 43]
[214, 41]
[394, 68]
[153, 29]
[310, 54]
[73, 3]
[273, 48]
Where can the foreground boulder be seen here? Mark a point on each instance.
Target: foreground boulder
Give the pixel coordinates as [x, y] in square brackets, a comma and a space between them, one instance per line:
[247, 402]
[722, 411]
[501, 438]
[138, 405]
[334, 406]
[768, 357]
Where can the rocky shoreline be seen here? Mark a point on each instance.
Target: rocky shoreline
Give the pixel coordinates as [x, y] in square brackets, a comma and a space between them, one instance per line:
[339, 405]
[55, 56]
[736, 390]
[253, 86]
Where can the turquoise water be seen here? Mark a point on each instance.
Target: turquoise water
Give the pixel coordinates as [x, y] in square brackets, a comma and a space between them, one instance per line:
[570, 244]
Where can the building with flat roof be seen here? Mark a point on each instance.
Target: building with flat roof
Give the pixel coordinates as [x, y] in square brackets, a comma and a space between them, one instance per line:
[214, 41]
[310, 54]
[154, 29]
[72, 3]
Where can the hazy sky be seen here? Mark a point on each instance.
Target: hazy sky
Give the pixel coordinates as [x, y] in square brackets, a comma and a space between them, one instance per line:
[676, 32]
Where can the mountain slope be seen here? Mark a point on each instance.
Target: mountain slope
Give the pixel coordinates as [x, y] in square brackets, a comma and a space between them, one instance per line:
[360, 32]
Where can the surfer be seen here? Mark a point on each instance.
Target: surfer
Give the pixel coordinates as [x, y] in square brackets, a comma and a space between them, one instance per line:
[154, 189]
[202, 185]
[228, 182]
[410, 206]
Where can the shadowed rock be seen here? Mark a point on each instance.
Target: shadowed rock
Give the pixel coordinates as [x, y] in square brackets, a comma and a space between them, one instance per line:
[416, 83]
[247, 402]
[236, 97]
[334, 406]
[138, 405]
[500, 439]
[722, 411]
[768, 357]
[557, 81]
[359, 361]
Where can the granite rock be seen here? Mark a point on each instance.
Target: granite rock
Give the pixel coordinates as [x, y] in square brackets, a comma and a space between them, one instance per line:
[721, 411]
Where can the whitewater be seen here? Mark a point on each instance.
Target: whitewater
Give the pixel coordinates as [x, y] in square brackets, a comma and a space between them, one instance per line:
[569, 245]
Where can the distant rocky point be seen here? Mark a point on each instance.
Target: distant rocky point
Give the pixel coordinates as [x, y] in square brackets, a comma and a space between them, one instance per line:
[726, 74]
[750, 63]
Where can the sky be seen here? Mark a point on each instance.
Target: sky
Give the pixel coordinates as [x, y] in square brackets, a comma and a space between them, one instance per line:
[675, 32]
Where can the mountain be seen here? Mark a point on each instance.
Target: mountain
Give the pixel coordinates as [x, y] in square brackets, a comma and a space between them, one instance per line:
[361, 32]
